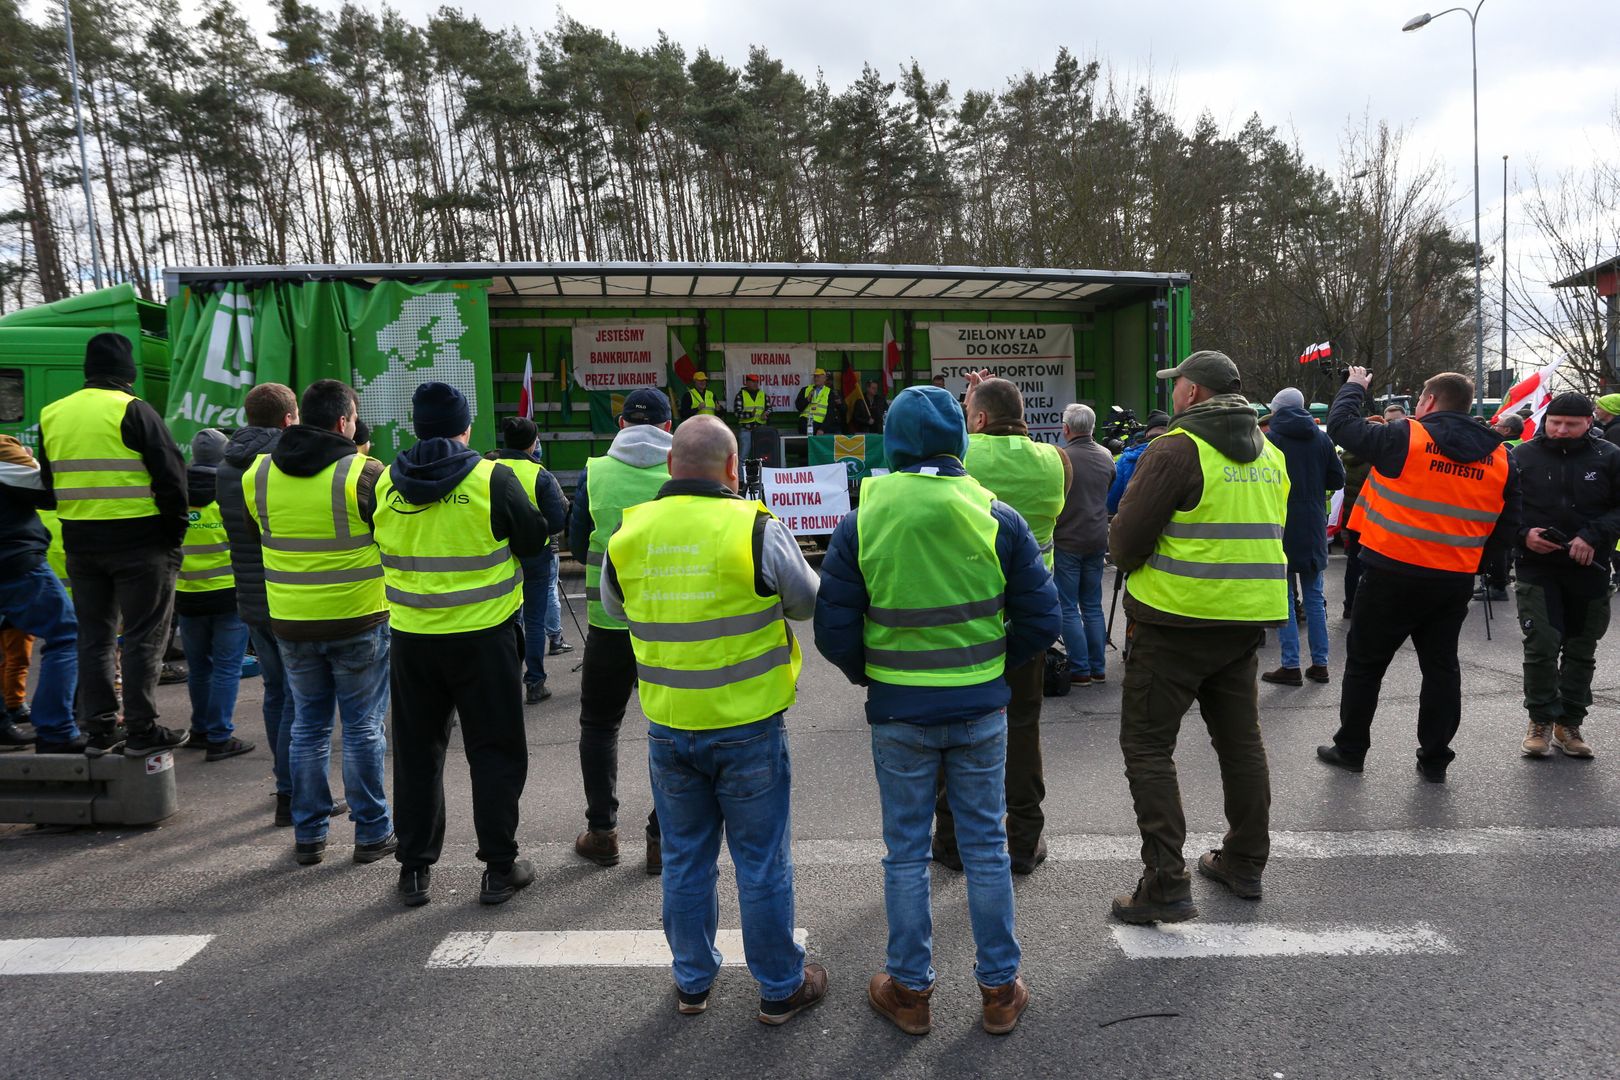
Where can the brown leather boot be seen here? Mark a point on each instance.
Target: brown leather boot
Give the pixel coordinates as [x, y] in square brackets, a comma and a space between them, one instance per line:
[1003, 1005]
[602, 848]
[907, 1008]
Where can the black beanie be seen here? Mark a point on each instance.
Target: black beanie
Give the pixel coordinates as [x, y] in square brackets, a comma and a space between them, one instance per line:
[519, 433]
[109, 356]
[1570, 403]
[362, 432]
[439, 411]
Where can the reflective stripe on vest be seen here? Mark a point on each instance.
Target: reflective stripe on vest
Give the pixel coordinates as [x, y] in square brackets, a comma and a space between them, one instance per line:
[445, 571]
[320, 562]
[755, 408]
[1438, 514]
[95, 476]
[928, 555]
[1026, 475]
[611, 485]
[816, 402]
[205, 556]
[710, 651]
[1223, 560]
[703, 403]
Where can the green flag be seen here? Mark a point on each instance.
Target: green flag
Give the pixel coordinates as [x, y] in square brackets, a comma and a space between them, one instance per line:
[860, 454]
[223, 343]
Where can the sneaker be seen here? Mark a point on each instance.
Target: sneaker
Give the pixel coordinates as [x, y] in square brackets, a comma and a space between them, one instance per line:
[1097, 676]
[947, 856]
[499, 886]
[809, 993]
[227, 748]
[172, 673]
[902, 1006]
[376, 849]
[413, 885]
[283, 811]
[1284, 676]
[1434, 774]
[1003, 1005]
[154, 740]
[339, 808]
[196, 740]
[76, 745]
[1535, 740]
[108, 743]
[309, 852]
[691, 1004]
[1317, 673]
[1211, 866]
[559, 647]
[601, 847]
[655, 855]
[22, 714]
[1026, 864]
[13, 738]
[1332, 755]
[1568, 739]
[1078, 679]
[1139, 910]
[535, 693]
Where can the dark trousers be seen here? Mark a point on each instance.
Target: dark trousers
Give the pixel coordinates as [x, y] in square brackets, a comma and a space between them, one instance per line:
[1389, 609]
[479, 679]
[1352, 568]
[129, 592]
[1166, 670]
[1026, 780]
[1562, 624]
[606, 680]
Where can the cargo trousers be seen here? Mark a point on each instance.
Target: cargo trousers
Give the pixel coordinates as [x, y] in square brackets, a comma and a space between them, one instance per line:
[1561, 628]
[1167, 669]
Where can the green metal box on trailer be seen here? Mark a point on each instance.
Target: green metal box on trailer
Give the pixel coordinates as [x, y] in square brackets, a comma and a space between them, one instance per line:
[42, 352]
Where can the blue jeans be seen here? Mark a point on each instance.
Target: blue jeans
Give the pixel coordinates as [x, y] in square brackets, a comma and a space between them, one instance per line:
[278, 702]
[1085, 631]
[1310, 588]
[347, 677]
[737, 779]
[37, 603]
[536, 572]
[974, 756]
[553, 601]
[214, 645]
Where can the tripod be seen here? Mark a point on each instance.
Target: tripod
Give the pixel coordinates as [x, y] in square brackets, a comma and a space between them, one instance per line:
[753, 485]
[1113, 607]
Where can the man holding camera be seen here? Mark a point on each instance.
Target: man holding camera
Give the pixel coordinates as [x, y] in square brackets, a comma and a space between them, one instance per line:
[1571, 510]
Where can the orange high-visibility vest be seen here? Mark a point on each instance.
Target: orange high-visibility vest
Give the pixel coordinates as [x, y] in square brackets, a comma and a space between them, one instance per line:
[1438, 513]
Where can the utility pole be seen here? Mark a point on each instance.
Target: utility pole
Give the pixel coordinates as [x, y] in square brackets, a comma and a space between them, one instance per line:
[84, 155]
[1504, 276]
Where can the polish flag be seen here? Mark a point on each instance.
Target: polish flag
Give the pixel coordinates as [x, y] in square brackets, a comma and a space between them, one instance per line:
[1543, 402]
[1322, 350]
[1532, 388]
[891, 358]
[525, 407]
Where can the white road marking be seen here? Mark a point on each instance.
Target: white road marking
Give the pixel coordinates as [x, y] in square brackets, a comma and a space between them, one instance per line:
[80, 955]
[573, 948]
[1202, 941]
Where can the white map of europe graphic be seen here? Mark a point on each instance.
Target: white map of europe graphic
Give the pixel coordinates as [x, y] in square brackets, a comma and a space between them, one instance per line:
[423, 343]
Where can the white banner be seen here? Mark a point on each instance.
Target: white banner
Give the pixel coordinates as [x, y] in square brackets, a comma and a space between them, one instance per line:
[810, 501]
[782, 370]
[621, 356]
[1039, 357]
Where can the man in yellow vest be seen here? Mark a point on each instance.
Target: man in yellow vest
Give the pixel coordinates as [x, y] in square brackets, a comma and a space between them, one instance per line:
[632, 471]
[213, 634]
[310, 503]
[1033, 478]
[451, 528]
[520, 439]
[698, 400]
[753, 408]
[706, 582]
[816, 404]
[120, 487]
[1199, 531]
[930, 591]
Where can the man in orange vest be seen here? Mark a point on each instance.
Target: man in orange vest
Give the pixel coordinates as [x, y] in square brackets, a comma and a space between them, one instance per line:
[1441, 495]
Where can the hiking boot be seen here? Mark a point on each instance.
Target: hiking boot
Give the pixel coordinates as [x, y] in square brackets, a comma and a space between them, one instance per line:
[1317, 673]
[172, 673]
[75, 745]
[1098, 676]
[1079, 679]
[1332, 755]
[1568, 739]
[1284, 676]
[601, 847]
[13, 738]
[809, 993]
[227, 748]
[154, 740]
[283, 811]
[1026, 864]
[377, 849]
[691, 1004]
[309, 852]
[1432, 772]
[907, 1009]
[413, 885]
[1139, 910]
[535, 693]
[559, 647]
[339, 808]
[1535, 740]
[947, 856]
[1211, 866]
[1003, 1005]
[500, 885]
[655, 855]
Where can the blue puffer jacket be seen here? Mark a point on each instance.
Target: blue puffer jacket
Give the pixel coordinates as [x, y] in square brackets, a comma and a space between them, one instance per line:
[918, 435]
[1124, 468]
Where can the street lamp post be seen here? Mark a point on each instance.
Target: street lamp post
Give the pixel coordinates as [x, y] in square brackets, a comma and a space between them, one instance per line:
[1418, 22]
[84, 159]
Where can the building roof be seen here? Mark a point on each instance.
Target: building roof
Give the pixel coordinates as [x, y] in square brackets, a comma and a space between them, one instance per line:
[1590, 275]
[630, 284]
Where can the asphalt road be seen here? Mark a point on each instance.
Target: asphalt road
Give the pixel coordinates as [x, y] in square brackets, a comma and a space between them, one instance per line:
[1408, 929]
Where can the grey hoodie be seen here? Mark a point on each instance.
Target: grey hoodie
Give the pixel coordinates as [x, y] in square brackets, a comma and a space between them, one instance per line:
[641, 446]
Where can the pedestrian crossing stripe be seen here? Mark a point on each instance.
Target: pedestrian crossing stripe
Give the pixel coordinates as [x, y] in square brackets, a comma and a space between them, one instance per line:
[575, 948]
[99, 955]
[1206, 941]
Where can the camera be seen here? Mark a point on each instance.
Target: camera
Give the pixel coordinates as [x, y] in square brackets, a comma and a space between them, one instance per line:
[1122, 425]
[753, 485]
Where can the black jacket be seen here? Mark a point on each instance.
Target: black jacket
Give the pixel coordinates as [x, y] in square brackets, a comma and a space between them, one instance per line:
[1573, 489]
[247, 557]
[1313, 471]
[201, 488]
[1609, 432]
[143, 431]
[548, 496]
[1383, 446]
